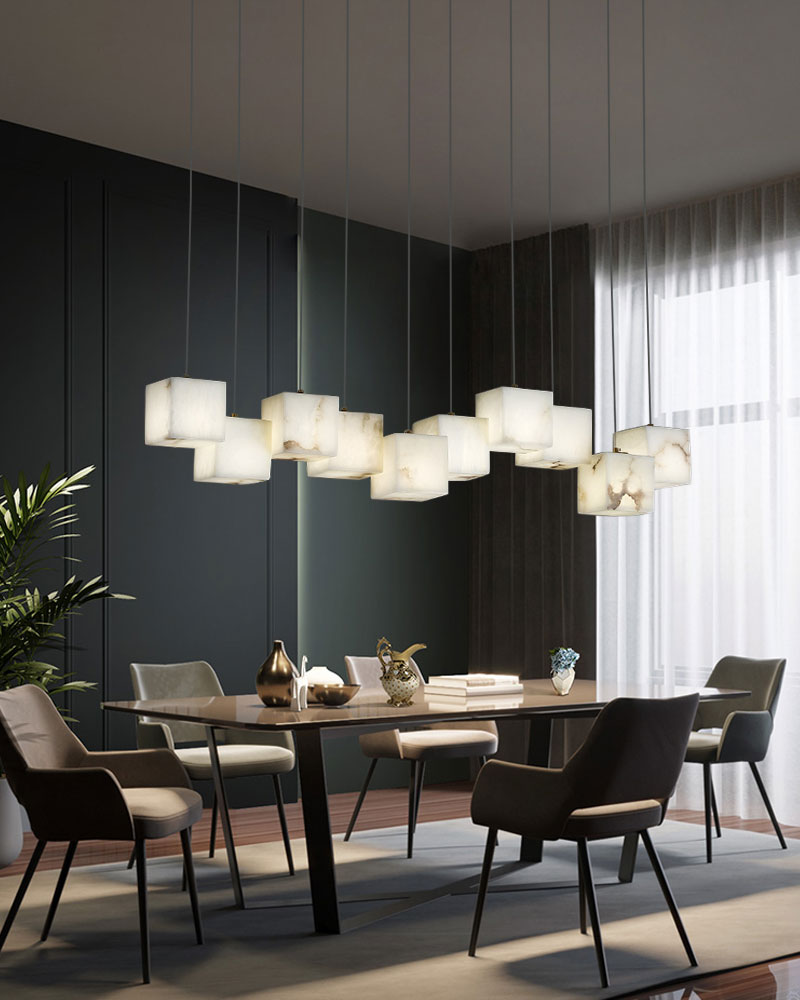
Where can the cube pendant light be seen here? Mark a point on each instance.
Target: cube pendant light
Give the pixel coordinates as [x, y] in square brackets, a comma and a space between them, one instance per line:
[572, 442]
[519, 419]
[304, 426]
[668, 446]
[616, 484]
[184, 412]
[467, 443]
[360, 449]
[414, 468]
[243, 457]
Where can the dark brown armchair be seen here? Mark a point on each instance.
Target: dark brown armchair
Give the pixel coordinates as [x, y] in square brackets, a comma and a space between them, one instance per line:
[737, 730]
[617, 783]
[71, 794]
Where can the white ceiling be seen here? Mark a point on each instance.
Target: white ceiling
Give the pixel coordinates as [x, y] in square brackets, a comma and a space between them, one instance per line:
[723, 80]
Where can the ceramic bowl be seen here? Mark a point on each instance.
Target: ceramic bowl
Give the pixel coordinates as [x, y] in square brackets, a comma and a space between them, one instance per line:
[331, 694]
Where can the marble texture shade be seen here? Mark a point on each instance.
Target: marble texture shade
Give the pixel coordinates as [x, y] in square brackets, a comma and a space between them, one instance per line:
[304, 425]
[467, 443]
[670, 447]
[414, 468]
[572, 442]
[244, 456]
[360, 449]
[519, 419]
[184, 412]
[616, 484]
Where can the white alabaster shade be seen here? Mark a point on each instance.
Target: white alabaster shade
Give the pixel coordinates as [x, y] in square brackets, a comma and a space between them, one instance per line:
[243, 457]
[467, 443]
[414, 468]
[616, 484]
[668, 446]
[572, 442]
[519, 419]
[184, 412]
[360, 451]
[304, 425]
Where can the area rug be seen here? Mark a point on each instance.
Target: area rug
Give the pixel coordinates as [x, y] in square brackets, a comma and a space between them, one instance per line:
[742, 909]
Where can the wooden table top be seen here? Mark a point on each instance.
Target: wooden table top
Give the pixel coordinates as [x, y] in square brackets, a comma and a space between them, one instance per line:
[245, 711]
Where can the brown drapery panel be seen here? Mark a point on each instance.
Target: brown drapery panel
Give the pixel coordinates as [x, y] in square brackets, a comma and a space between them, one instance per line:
[527, 539]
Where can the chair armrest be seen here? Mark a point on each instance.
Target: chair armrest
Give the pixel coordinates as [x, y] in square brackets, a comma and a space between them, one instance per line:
[141, 768]
[153, 736]
[76, 803]
[745, 736]
[531, 801]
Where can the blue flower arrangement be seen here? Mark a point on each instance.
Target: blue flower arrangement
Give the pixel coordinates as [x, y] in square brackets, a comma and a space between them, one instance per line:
[562, 658]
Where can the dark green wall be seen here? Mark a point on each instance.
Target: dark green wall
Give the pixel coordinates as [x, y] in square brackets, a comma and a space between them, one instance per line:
[370, 568]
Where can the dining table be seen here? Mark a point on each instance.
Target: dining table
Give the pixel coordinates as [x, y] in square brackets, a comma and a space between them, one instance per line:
[538, 704]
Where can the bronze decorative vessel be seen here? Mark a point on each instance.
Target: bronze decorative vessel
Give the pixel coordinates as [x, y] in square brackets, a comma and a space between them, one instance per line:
[274, 678]
[399, 679]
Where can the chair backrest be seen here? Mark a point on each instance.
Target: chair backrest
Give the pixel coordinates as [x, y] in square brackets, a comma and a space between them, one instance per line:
[366, 671]
[634, 751]
[196, 678]
[762, 677]
[33, 735]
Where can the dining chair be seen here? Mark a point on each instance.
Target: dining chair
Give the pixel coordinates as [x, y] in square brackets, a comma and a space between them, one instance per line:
[241, 753]
[417, 746]
[71, 794]
[740, 730]
[617, 783]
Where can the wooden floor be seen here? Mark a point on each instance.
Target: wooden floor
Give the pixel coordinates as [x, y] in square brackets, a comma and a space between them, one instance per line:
[387, 807]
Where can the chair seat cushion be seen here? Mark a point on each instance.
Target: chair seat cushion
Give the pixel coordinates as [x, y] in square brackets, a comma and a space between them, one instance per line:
[613, 820]
[236, 760]
[427, 744]
[158, 812]
[703, 748]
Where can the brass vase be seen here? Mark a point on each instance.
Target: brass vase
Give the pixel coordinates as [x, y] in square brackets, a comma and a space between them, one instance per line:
[274, 678]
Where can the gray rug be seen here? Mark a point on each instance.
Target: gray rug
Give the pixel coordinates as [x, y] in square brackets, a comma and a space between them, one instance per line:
[744, 908]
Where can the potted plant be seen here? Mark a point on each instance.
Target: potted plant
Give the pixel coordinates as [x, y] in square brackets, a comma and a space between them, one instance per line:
[33, 518]
[562, 668]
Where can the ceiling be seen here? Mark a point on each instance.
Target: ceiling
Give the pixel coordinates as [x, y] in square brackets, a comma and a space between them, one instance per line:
[722, 85]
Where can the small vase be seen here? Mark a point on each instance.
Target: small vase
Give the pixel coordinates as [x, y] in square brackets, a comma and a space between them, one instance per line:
[274, 678]
[400, 682]
[10, 825]
[563, 680]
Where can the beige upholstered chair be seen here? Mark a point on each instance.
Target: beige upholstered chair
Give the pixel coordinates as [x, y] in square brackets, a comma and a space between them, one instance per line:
[443, 739]
[71, 794]
[742, 728]
[617, 783]
[241, 754]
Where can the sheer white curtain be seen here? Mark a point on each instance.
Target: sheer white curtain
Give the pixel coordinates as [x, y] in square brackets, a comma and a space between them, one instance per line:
[716, 568]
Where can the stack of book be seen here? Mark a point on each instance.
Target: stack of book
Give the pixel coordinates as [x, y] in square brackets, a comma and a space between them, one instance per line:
[473, 690]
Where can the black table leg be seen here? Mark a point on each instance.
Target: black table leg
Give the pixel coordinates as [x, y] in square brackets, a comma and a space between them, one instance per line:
[539, 756]
[222, 804]
[317, 822]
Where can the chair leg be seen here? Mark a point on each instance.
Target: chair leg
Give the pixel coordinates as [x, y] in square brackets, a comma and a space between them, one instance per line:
[287, 844]
[707, 806]
[714, 810]
[144, 926]
[418, 791]
[768, 804]
[412, 798]
[581, 896]
[361, 795]
[62, 878]
[594, 916]
[188, 867]
[23, 888]
[132, 858]
[212, 843]
[488, 855]
[655, 861]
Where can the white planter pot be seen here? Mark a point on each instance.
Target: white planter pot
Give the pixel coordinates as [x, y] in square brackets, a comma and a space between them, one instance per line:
[10, 825]
[563, 679]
